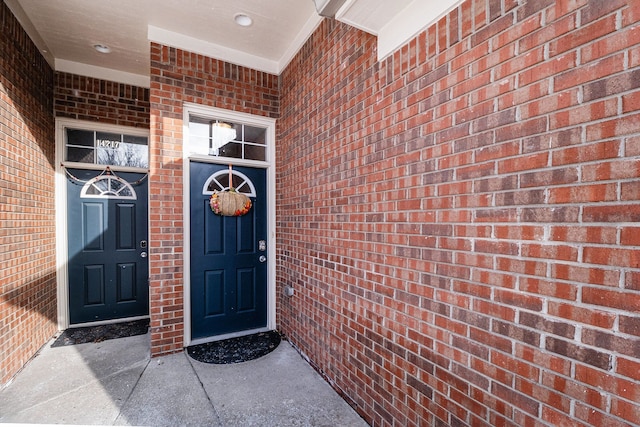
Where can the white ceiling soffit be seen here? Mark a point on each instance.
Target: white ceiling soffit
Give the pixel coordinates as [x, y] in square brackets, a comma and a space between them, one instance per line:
[66, 30]
[235, 56]
[394, 22]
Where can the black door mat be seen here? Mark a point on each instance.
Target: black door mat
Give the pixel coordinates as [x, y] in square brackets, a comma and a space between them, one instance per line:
[236, 350]
[100, 333]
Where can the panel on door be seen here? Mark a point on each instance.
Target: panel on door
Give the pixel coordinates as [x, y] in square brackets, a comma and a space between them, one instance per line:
[228, 264]
[107, 234]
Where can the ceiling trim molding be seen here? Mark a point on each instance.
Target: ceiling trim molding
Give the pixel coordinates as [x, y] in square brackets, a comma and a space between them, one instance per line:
[328, 8]
[212, 50]
[409, 22]
[343, 16]
[301, 38]
[102, 73]
[30, 29]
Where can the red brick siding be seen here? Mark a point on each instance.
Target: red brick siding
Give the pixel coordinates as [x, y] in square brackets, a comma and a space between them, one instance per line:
[460, 220]
[90, 99]
[27, 216]
[179, 76]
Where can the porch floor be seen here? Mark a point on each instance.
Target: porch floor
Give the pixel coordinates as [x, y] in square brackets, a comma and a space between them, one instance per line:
[115, 382]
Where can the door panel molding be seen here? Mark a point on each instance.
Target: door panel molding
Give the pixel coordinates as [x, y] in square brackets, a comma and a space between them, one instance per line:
[213, 293]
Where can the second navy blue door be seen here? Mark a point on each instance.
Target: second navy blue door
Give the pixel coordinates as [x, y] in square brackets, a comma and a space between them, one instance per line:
[108, 268]
[228, 254]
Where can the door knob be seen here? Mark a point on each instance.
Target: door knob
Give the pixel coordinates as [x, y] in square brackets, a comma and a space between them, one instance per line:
[262, 258]
[143, 254]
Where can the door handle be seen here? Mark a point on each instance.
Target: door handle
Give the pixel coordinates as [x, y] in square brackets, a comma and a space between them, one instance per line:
[143, 254]
[262, 258]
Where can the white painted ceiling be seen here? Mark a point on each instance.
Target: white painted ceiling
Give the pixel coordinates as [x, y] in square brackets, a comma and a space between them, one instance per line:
[66, 30]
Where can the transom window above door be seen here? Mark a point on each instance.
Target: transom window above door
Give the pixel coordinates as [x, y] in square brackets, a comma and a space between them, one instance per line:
[106, 148]
[223, 138]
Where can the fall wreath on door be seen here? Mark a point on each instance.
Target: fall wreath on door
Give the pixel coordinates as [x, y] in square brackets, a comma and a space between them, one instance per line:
[229, 202]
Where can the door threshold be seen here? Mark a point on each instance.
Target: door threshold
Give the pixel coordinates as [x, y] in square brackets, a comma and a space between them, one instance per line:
[227, 336]
[107, 322]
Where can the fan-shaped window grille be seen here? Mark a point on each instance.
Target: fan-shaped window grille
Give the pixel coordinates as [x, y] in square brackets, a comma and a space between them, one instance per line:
[220, 181]
[108, 187]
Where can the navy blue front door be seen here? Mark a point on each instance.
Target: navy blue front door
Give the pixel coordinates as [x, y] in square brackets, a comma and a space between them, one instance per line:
[228, 254]
[107, 239]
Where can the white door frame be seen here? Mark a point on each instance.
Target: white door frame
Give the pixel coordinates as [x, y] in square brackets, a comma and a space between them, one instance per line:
[62, 244]
[269, 165]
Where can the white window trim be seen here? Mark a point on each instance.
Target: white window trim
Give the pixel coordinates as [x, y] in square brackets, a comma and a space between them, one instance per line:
[62, 124]
[248, 119]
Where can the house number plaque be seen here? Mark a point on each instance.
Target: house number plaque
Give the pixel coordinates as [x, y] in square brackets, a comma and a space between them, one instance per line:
[107, 143]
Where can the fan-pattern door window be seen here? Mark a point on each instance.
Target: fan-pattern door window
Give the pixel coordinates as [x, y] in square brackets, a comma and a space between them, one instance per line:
[108, 187]
[219, 181]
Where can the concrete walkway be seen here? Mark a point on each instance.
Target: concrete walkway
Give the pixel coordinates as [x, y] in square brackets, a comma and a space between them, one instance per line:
[116, 383]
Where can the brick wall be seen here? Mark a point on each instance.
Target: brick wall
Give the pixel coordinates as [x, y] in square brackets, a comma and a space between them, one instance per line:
[461, 219]
[86, 98]
[178, 76]
[27, 216]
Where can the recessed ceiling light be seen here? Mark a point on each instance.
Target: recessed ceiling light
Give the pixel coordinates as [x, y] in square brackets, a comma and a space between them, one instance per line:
[242, 19]
[102, 48]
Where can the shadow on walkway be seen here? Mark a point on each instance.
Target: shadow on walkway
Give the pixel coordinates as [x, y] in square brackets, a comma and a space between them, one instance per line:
[116, 383]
